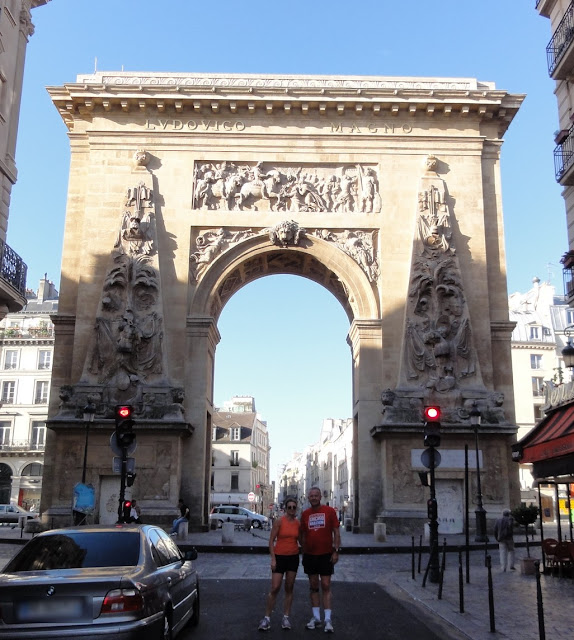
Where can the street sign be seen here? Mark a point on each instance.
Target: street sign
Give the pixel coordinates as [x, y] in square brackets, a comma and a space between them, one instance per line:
[116, 447]
[251, 496]
[426, 458]
[117, 465]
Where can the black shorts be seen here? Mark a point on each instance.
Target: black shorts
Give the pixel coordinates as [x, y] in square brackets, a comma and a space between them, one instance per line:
[318, 565]
[286, 563]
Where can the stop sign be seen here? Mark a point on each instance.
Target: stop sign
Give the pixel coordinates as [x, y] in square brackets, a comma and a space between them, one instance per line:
[251, 496]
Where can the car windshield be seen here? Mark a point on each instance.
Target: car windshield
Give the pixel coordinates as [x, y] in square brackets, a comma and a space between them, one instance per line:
[77, 550]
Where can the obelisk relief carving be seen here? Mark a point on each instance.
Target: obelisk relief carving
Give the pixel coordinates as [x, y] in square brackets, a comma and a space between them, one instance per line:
[126, 361]
[439, 362]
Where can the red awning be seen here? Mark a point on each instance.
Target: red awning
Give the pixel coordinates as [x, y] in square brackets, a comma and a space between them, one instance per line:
[552, 438]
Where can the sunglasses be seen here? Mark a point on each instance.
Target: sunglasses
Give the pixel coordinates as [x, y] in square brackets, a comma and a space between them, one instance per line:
[291, 507]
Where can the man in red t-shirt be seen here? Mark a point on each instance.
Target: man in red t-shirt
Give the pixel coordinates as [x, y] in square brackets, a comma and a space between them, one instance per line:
[321, 541]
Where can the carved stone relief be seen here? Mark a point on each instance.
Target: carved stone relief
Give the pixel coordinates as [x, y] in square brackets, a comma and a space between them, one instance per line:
[359, 245]
[126, 360]
[439, 350]
[266, 187]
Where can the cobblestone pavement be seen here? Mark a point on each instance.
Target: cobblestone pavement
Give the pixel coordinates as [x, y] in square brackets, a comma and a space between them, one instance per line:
[389, 564]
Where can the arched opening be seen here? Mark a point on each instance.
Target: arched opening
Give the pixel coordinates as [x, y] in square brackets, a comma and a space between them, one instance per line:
[283, 342]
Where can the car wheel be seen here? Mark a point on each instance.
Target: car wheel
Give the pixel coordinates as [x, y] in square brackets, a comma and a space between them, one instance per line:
[194, 620]
[166, 631]
[257, 524]
[219, 524]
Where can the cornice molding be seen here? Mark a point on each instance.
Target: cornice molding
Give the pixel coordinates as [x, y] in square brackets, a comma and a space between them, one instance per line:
[207, 94]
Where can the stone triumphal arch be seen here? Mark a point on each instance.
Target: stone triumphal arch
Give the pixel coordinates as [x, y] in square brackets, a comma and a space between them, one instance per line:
[184, 188]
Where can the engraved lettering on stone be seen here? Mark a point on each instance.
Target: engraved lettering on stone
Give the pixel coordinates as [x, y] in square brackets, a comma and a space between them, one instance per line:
[264, 187]
[357, 244]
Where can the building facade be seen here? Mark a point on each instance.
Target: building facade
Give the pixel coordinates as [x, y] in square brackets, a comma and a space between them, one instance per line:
[327, 464]
[240, 457]
[184, 188]
[26, 355]
[16, 28]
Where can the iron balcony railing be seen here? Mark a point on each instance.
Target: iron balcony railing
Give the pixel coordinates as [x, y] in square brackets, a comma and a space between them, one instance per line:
[564, 155]
[561, 40]
[22, 445]
[12, 268]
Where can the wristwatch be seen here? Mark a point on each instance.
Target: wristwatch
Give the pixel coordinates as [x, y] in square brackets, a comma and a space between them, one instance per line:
[337, 550]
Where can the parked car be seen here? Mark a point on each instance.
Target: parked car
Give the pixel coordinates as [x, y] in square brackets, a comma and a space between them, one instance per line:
[238, 515]
[10, 513]
[111, 581]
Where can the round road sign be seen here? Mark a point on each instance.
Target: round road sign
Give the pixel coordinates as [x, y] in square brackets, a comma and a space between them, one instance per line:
[251, 496]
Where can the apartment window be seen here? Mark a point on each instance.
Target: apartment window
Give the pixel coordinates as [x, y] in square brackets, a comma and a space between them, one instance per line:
[569, 316]
[38, 435]
[537, 386]
[212, 481]
[11, 359]
[8, 392]
[45, 359]
[236, 433]
[235, 458]
[42, 389]
[32, 469]
[535, 333]
[535, 361]
[538, 413]
[234, 482]
[5, 433]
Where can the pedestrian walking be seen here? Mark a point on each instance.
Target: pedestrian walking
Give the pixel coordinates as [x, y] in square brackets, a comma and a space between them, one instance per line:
[284, 552]
[184, 511]
[135, 513]
[321, 542]
[504, 534]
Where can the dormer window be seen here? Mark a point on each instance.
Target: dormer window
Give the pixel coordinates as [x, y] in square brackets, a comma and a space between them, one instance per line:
[236, 433]
[535, 333]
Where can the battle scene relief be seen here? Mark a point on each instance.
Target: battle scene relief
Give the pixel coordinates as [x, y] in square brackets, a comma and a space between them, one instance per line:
[350, 188]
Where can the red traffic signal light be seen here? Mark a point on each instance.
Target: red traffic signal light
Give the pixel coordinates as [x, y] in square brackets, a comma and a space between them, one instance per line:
[124, 411]
[432, 414]
[125, 435]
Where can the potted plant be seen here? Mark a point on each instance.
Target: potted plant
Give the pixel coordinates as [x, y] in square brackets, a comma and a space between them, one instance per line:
[525, 516]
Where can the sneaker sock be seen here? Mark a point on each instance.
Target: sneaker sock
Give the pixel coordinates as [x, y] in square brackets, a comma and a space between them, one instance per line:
[317, 613]
[327, 614]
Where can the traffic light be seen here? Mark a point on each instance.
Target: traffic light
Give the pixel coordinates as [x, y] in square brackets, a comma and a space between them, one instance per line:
[432, 509]
[130, 479]
[126, 510]
[124, 425]
[432, 426]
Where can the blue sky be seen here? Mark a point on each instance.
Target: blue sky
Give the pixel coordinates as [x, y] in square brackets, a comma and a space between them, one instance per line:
[283, 338]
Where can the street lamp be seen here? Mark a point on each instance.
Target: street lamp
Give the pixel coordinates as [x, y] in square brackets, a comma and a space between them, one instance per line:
[568, 351]
[479, 512]
[89, 414]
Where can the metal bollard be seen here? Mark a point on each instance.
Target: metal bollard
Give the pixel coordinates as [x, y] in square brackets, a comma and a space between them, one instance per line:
[442, 569]
[460, 583]
[490, 594]
[420, 551]
[413, 558]
[541, 631]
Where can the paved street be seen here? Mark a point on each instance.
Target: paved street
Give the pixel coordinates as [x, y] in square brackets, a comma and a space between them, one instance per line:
[235, 579]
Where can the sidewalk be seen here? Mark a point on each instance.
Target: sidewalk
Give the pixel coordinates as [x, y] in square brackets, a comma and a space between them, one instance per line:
[389, 564]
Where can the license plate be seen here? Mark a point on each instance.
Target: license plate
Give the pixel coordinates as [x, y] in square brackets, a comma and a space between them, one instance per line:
[56, 610]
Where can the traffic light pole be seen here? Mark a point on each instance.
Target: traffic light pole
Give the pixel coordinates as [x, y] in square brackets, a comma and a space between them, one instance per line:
[434, 571]
[123, 485]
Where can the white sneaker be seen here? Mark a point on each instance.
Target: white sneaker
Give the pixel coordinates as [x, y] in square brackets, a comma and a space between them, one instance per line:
[264, 625]
[329, 627]
[314, 624]
[285, 623]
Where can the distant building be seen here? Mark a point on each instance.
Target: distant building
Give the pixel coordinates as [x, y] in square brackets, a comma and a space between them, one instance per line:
[327, 464]
[537, 365]
[15, 29]
[240, 456]
[26, 349]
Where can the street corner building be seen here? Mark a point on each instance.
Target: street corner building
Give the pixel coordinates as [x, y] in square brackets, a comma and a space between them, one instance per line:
[186, 187]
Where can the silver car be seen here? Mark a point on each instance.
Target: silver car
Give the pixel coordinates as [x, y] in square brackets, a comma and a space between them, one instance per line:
[12, 513]
[114, 582]
[238, 515]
